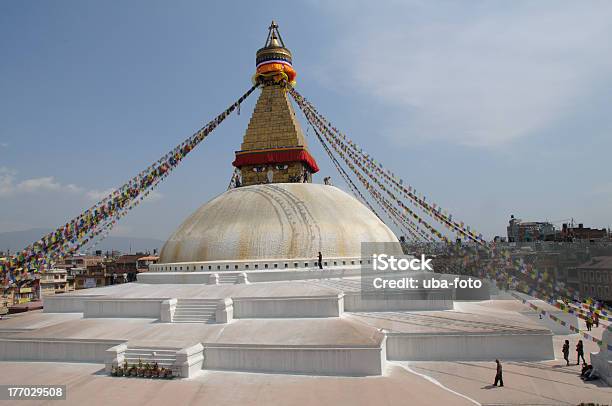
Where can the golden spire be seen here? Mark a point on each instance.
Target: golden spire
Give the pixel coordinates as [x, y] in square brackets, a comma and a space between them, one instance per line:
[274, 148]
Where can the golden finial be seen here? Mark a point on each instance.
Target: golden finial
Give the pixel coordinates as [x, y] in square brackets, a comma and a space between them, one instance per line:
[273, 61]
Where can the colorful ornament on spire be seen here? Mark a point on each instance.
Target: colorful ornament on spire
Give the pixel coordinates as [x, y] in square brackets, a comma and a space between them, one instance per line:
[273, 61]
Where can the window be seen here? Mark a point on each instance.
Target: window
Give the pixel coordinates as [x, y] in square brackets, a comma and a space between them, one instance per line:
[235, 266]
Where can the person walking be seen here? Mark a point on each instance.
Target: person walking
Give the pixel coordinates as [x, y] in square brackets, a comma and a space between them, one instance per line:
[320, 260]
[596, 319]
[589, 323]
[498, 375]
[580, 352]
[566, 352]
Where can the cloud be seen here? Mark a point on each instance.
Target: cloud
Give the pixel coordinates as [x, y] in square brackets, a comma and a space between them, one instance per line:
[10, 187]
[477, 73]
[4, 144]
[47, 183]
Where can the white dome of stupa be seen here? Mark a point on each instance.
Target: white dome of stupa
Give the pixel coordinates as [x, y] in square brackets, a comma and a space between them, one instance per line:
[276, 221]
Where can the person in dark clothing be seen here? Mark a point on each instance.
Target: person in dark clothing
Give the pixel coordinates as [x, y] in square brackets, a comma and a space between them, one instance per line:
[596, 319]
[498, 374]
[589, 323]
[566, 351]
[580, 352]
[586, 368]
[320, 260]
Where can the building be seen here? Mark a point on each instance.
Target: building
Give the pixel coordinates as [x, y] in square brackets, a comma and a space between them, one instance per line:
[4, 305]
[529, 231]
[81, 261]
[54, 281]
[91, 277]
[570, 233]
[595, 278]
[143, 263]
[526, 231]
[126, 267]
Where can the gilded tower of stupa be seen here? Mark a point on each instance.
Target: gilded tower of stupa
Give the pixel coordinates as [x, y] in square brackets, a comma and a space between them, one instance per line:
[274, 148]
[276, 211]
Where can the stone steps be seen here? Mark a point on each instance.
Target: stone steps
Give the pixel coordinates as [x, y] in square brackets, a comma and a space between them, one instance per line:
[163, 357]
[230, 279]
[195, 311]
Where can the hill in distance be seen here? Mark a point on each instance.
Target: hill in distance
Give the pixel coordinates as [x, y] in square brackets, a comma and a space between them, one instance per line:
[17, 240]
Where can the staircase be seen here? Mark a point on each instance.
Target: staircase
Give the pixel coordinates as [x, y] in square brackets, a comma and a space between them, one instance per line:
[228, 279]
[164, 357]
[195, 311]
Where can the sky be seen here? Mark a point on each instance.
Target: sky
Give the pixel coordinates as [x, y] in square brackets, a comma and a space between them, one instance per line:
[489, 108]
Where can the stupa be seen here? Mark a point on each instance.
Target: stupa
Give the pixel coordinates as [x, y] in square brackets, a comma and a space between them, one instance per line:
[277, 213]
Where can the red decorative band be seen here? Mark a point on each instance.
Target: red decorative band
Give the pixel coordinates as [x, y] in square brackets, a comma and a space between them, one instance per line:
[275, 156]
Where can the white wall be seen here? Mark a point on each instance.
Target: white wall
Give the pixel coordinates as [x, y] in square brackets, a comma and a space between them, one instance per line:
[317, 306]
[65, 304]
[356, 302]
[48, 349]
[469, 347]
[113, 307]
[314, 360]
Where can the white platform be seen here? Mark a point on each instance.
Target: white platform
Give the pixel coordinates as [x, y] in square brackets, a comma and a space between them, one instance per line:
[317, 326]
